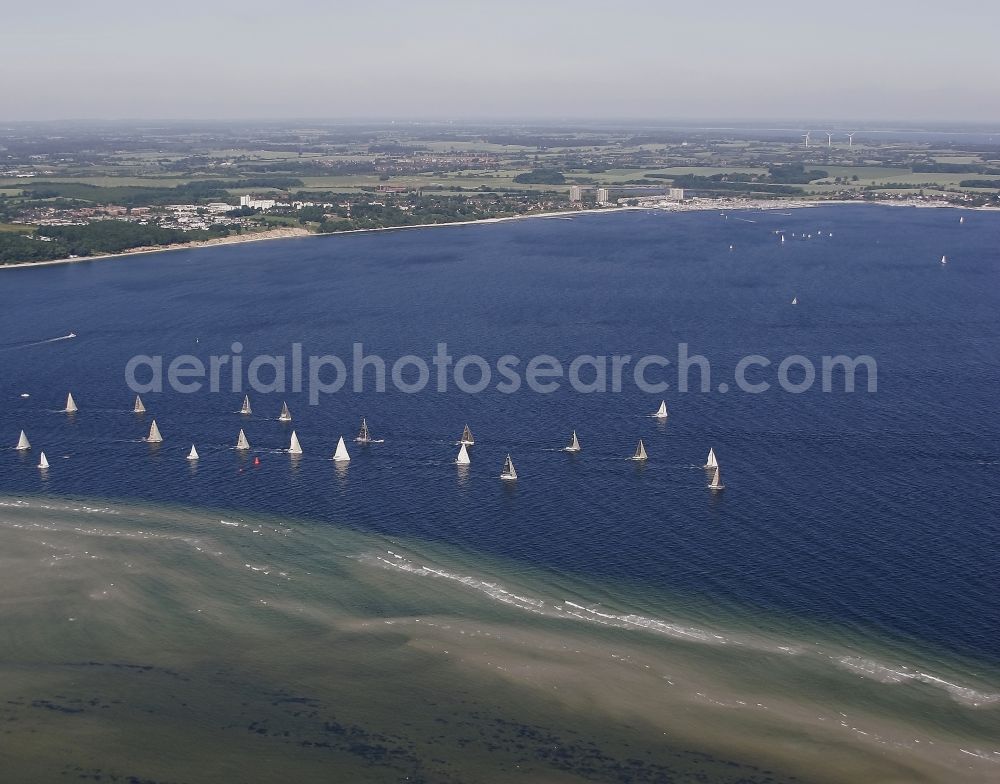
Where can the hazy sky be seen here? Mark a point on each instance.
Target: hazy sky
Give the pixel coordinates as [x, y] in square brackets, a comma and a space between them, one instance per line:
[836, 59]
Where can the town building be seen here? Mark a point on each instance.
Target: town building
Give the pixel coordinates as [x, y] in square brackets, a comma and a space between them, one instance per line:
[257, 204]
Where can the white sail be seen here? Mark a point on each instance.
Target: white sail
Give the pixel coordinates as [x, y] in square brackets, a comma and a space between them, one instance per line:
[640, 451]
[944, 259]
[70, 404]
[154, 436]
[961, 219]
[341, 455]
[43, 461]
[138, 408]
[782, 237]
[574, 444]
[285, 415]
[661, 412]
[795, 300]
[711, 462]
[193, 454]
[716, 483]
[364, 436]
[246, 405]
[294, 447]
[241, 441]
[463, 456]
[23, 443]
[508, 469]
[467, 438]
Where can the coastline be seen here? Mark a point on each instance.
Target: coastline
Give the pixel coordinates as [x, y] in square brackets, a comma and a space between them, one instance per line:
[695, 206]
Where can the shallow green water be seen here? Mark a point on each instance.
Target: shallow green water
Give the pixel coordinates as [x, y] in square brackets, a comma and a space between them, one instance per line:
[181, 645]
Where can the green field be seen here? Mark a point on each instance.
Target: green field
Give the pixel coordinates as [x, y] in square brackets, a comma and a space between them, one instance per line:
[17, 228]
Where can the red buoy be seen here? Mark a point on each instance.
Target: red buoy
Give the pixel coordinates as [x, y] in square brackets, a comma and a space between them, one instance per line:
[256, 461]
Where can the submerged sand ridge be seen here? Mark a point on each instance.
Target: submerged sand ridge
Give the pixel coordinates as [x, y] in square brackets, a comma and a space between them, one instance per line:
[271, 649]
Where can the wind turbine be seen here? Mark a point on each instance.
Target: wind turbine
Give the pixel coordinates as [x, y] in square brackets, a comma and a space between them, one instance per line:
[850, 139]
[829, 139]
[806, 137]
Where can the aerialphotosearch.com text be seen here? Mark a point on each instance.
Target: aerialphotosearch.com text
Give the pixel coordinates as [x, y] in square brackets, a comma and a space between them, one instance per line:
[326, 374]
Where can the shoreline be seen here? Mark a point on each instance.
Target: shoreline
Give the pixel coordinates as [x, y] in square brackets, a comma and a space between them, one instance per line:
[293, 233]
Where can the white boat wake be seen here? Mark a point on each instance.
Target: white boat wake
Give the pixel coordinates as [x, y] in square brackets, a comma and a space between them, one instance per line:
[70, 336]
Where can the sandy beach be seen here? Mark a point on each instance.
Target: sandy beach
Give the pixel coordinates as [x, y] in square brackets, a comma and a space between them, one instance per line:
[696, 205]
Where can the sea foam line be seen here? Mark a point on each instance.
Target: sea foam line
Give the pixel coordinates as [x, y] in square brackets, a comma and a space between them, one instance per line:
[571, 610]
[893, 675]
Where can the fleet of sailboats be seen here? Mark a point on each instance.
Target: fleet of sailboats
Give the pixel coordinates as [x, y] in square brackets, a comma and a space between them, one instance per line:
[467, 438]
[508, 473]
[154, 436]
[574, 444]
[341, 455]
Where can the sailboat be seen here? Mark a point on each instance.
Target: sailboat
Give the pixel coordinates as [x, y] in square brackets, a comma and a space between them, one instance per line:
[285, 415]
[463, 456]
[294, 448]
[364, 436]
[508, 472]
[43, 461]
[716, 483]
[241, 442]
[574, 444]
[341, 456]
[467, 438]
[246, 405]
[795, 300]
[711, 462]
[193, 454]
[23, 443]
[944, 259]
[661, 412]
[70, 404]
[961, 219]
[640, 452]
[138, 408]
[782, 238]
[154, 436]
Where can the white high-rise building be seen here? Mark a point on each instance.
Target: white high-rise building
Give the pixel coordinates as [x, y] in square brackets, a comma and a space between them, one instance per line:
[575, 193]
[257, 204]
[603, 196]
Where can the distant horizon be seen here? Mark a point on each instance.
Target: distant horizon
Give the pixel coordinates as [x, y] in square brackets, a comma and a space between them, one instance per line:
[891, 62]
[598, 123]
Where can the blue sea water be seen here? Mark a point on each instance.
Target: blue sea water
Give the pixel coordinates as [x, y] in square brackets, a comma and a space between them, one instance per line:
[873, 511]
